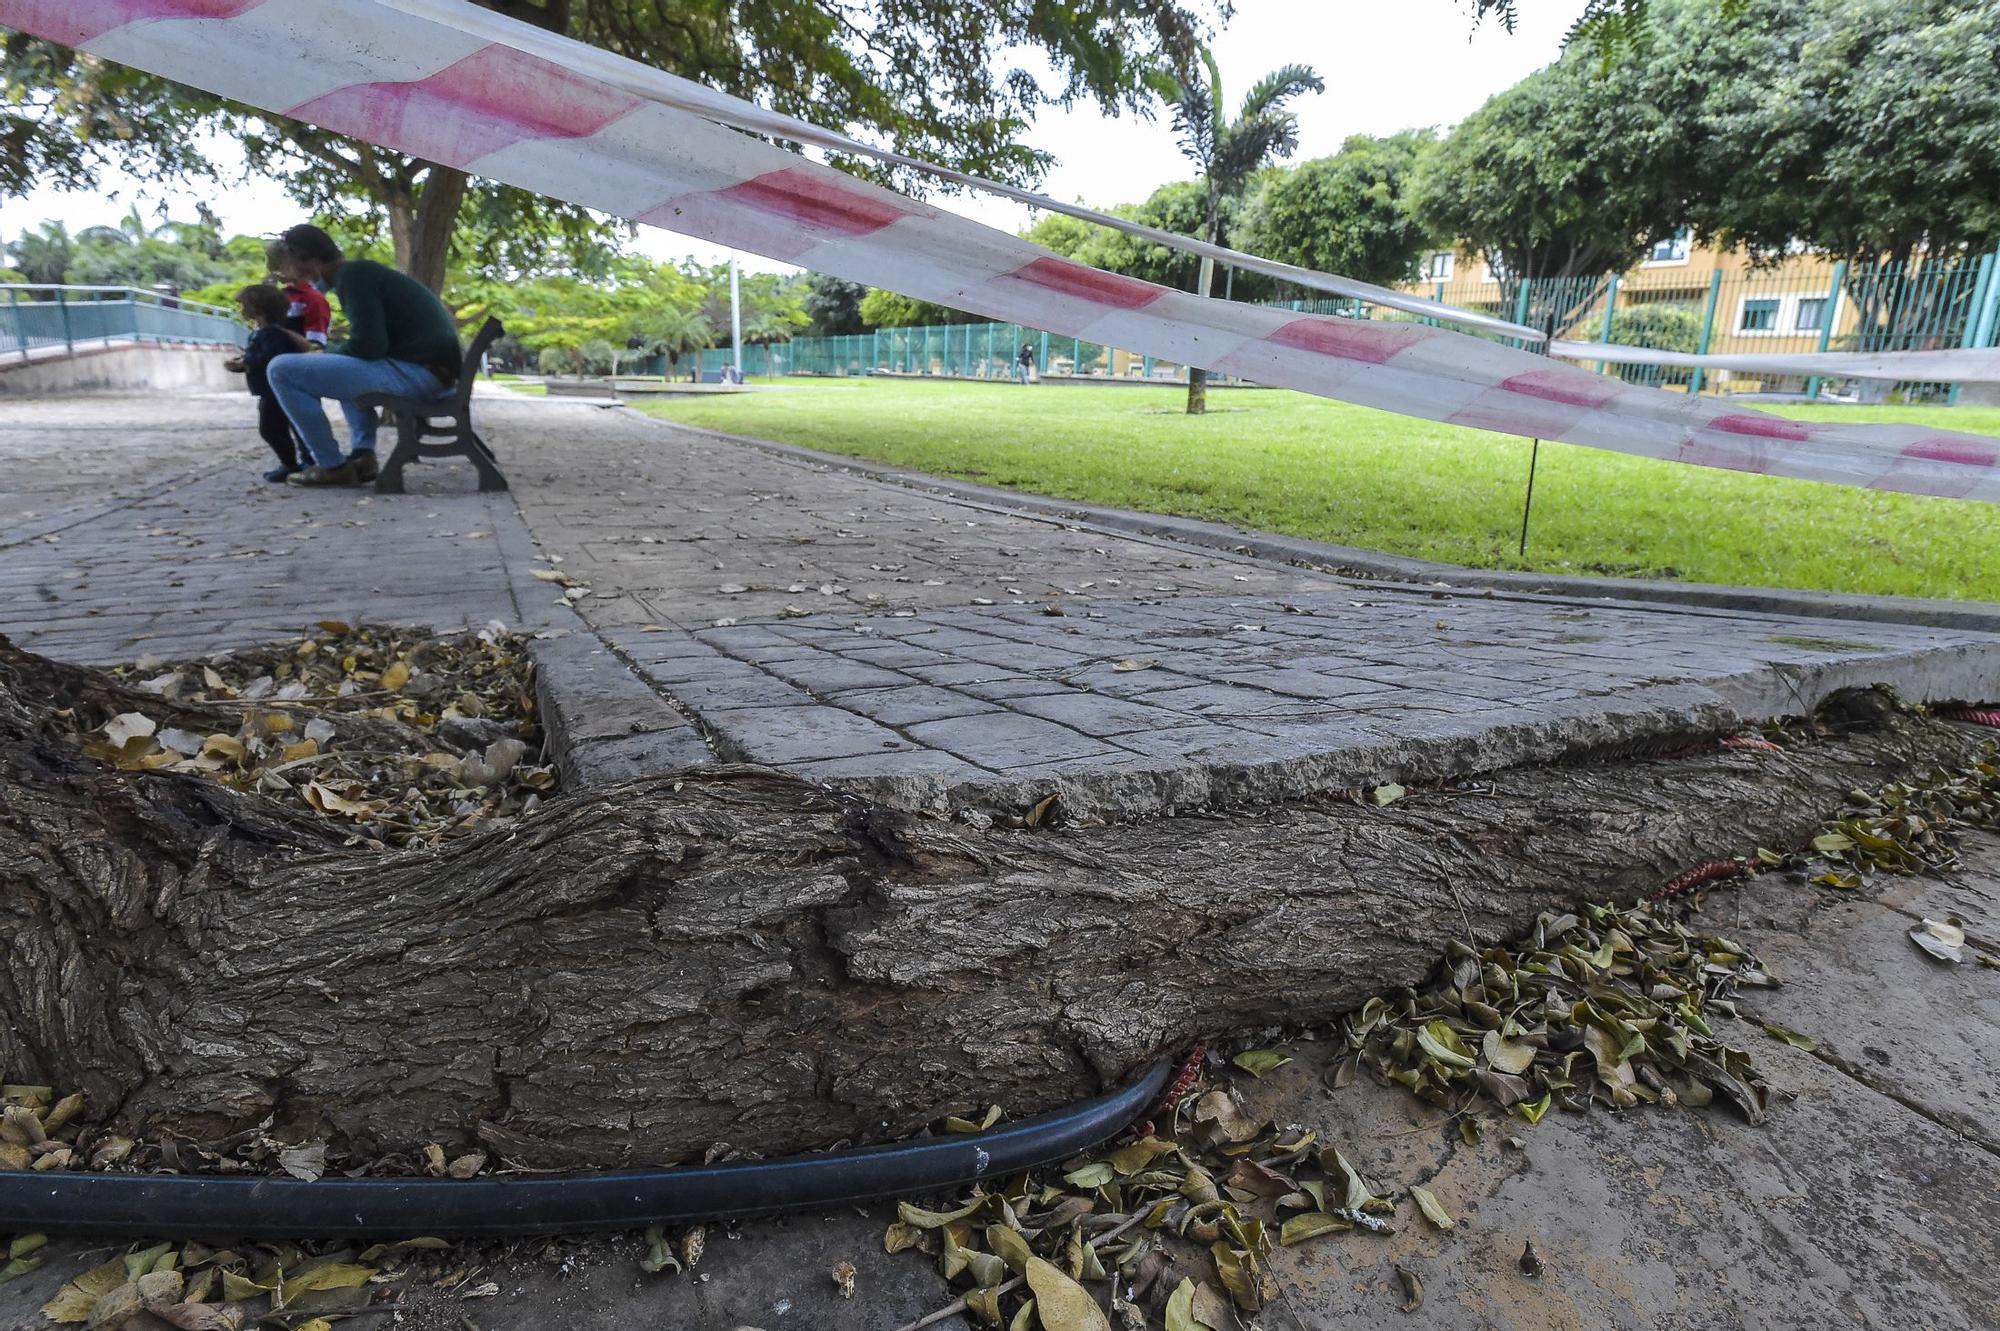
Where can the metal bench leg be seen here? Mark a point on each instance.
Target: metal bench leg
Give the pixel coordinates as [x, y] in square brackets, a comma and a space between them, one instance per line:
[482, 458]
[389, 481]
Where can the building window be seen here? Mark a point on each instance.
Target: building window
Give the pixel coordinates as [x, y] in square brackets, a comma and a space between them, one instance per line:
[1759, 316]
[1811, 314]
[1674, 249]
[1437, 266]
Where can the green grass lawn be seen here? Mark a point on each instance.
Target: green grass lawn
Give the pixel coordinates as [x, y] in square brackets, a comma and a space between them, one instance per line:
[1287, 462]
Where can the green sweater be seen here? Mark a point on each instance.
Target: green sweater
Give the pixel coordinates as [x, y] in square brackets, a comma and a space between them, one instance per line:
[392, 315]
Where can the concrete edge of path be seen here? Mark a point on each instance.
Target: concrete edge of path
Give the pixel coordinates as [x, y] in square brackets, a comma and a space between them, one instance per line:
[601, 721]
[1662, 715]
[1980, 615]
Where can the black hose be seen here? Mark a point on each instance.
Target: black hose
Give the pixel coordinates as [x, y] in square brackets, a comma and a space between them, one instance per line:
[206, 1205]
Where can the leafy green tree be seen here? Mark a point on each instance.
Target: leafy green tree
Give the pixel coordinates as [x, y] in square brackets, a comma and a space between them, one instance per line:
[1179, 206]
[887, 309]
[44, 254]
[1571, 172]
[926, 77]
[1229, 153]
[559, 358]
[833, 306]
[1350, 213]
[1865, 129]
[674, 331]
[65, 119]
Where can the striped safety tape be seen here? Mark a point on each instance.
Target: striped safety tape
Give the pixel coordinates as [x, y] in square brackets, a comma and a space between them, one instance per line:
[408, 82]
[1977, 365]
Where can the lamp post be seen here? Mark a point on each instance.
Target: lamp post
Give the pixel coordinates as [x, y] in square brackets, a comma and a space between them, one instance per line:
[735, 319]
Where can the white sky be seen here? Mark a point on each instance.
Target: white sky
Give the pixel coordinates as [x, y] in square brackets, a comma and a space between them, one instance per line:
[1389, 65]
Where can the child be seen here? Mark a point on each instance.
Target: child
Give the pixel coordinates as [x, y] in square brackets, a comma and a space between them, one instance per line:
[264, 307]
[307, 312]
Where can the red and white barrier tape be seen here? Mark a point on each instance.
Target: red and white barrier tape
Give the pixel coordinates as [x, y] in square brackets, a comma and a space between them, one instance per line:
[390, 76]
[1978, 365]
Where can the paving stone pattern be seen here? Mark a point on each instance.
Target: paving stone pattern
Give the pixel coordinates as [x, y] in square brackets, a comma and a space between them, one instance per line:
[753, 604]
[934, 650]
[165, 540]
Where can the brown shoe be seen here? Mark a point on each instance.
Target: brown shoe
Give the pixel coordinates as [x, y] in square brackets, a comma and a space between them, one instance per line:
[341, 475]
[365, 468]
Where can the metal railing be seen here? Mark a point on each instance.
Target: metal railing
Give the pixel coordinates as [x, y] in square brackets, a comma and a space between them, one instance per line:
[37, 319]
[1804, 304]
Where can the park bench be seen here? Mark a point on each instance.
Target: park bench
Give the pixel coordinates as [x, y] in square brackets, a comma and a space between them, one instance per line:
[447, 418]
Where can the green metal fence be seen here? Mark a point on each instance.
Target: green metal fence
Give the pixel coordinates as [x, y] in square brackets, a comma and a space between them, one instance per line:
[49, 320]
[1785, 309]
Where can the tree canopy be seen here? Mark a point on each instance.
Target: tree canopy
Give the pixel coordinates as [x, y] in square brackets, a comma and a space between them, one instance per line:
[1571, 171]
[923, 76]
[1865, 129]
[1349, 213]
[1861, 128]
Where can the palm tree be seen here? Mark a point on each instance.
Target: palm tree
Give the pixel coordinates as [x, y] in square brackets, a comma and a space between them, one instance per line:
[43, 255]
[1230, 152]
[675, 330]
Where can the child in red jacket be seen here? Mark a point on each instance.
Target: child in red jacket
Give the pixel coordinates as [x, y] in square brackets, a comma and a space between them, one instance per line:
[307, 312]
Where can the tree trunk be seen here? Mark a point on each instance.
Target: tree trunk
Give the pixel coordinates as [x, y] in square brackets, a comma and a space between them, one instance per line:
[630, 975]
[402, 227]
[1197, 397]
[437, 216]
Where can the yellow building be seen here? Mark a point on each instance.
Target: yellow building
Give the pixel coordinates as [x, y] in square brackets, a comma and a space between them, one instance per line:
[1792, 304]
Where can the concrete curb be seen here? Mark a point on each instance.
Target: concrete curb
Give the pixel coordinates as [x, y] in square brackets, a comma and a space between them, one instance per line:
[601, 722]
[1979, 615]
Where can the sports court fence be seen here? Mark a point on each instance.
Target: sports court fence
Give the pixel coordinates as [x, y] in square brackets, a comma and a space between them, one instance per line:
[1951, 302]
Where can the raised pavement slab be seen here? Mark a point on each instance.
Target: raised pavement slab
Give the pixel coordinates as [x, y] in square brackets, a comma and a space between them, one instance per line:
[935, 650]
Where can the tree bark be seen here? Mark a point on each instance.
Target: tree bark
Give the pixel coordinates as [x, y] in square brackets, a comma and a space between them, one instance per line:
[1197, 394]
[633, 974]
[431, 231]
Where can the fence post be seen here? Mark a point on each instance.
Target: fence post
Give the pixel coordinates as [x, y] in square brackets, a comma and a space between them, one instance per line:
[1989, 321]
[1610, 307]
[1970, 338]
[1521, 308]
[1076, 357]
[1826, 324]
[20, 329]
[62, 306]
[1707, 330]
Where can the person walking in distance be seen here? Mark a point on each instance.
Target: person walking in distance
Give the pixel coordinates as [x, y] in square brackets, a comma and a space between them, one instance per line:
[401, 340]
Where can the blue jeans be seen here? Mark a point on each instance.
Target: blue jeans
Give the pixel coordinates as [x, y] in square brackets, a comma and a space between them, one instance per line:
[300, 382]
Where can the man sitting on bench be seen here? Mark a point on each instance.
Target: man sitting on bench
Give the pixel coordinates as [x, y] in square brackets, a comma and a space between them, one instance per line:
[401, 340]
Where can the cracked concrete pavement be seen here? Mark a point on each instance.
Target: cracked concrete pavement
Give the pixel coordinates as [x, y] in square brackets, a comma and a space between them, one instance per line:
[702, 598]
[132, 527]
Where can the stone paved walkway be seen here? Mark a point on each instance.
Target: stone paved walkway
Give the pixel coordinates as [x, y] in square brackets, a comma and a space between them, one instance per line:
[935, 650]
[142, 526]
[755, 604]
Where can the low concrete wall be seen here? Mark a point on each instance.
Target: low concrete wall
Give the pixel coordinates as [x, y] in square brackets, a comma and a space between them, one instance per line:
[122, 368]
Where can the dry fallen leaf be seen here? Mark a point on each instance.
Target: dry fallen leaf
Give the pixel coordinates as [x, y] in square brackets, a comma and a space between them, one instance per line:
[1943, 940]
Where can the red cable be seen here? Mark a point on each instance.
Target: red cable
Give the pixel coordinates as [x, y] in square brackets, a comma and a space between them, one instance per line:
[1979, 716]
[1177, 1089]
[1707, 873]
